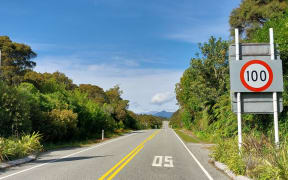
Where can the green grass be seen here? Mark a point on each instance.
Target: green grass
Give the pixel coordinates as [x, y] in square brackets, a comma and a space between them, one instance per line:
[60, 145]
[82, 143]
[185, 137]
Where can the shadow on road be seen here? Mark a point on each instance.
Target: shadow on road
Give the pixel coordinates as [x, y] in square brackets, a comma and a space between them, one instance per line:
[134, 132]
[39, 161]
[68, 159]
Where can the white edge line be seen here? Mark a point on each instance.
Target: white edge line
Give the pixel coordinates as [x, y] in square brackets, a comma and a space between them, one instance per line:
[99, 145]
[203, 169]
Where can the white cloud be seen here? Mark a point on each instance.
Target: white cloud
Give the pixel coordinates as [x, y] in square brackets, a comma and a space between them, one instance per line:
[162, 98]
[138, 84]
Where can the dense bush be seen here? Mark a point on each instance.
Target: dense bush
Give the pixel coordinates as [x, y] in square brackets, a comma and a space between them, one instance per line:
[14, 112]
[258, 159]
[63, 124]
[60, 111]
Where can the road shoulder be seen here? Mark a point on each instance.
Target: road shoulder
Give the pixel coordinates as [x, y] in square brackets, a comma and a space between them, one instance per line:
[202, 151]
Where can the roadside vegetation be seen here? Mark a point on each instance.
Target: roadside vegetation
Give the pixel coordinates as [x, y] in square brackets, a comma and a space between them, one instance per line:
[17, 147]
[37, 108]
[186, 137]
[203, 94]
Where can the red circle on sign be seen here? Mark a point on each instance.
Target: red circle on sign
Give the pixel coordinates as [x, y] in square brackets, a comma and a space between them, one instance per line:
[267, 85]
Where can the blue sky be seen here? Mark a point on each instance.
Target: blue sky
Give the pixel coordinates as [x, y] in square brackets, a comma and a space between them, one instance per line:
[142, 45]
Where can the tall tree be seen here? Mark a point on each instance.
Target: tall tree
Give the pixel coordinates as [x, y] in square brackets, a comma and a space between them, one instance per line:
[95, 93]
[16, 60]
[252, 14]
[206, 78]
[49, 83]
[119, 105]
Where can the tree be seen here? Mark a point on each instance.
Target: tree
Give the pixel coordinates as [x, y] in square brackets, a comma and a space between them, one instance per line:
[49, 83]
[206, 78]
[252, 14]
[14, 111]
[114, 94]
[203, 84]
[95, 93]
[16, 60]
[119, 105]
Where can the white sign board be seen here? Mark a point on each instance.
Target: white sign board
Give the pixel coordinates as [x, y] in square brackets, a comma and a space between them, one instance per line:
[256, 75]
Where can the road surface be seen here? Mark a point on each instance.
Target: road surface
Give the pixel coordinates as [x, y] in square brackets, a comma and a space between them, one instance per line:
[141, 155]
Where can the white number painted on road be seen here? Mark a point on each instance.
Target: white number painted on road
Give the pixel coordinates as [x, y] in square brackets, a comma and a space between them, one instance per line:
[158, 161]
[169, 161]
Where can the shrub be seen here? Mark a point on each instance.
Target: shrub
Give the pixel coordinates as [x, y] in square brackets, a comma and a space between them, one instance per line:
[259, 158]
[13, 147]
[63, 124]
[14, 112]
[227, 152]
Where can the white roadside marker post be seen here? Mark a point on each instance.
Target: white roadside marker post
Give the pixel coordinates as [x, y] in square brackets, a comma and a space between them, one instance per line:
[239, 115]
[102, 134]
[275, 99]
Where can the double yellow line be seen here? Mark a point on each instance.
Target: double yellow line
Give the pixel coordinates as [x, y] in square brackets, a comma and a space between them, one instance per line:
[123, 162]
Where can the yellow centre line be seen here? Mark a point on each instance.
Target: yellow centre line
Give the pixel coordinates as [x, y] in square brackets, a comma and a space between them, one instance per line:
[130, 156]
[124, 164]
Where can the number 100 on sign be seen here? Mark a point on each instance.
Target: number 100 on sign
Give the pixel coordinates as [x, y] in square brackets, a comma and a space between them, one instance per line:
[256, 75]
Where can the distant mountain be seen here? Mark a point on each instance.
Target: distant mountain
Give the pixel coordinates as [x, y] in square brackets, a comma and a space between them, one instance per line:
[164, 114]
[150, 112]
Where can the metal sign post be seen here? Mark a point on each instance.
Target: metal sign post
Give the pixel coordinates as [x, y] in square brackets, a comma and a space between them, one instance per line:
[275, 100]
[239, 115]
[256, 81]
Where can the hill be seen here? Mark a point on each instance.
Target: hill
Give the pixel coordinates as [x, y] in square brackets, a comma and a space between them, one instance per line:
[164, 114]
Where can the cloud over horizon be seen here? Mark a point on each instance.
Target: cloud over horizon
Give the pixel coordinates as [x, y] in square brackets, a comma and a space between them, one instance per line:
[138, 84]
[143, 46]
[162, 98]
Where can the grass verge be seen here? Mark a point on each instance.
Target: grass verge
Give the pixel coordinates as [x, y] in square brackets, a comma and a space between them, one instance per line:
[186, 137]
[83, 143]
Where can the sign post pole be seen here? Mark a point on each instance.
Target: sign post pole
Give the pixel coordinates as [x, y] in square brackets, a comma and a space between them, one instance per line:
[275, 100]
[102, 134]
[239, 118]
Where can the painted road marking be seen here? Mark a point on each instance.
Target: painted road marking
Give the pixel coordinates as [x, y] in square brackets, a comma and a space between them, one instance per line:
[194, 157]
[124, 164]
[93, 147]
[130, 156]
[158, 161]
[168, 161]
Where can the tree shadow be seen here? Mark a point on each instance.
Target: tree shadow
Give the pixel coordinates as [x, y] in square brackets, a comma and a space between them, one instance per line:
[68, 159]
[56, 160]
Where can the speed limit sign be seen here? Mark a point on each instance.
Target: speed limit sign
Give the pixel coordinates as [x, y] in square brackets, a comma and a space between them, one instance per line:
[256, 75]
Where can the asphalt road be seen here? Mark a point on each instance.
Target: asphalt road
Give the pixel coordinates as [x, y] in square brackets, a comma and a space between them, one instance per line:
[147, 155]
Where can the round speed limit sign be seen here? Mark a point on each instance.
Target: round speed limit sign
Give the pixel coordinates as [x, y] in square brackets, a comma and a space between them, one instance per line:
[256, 75]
